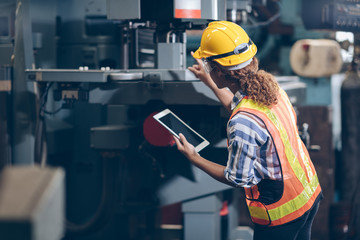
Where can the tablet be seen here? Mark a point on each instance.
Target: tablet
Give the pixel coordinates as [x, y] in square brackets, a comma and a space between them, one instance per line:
[175, 126]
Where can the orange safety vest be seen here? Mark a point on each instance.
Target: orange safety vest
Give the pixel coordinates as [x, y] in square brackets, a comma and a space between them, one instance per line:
[301, 184]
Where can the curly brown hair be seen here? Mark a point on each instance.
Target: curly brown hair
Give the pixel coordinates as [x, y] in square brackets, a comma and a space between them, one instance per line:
[258, 85]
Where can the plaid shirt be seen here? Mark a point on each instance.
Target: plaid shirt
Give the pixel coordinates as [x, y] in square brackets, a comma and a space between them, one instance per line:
[252, 154]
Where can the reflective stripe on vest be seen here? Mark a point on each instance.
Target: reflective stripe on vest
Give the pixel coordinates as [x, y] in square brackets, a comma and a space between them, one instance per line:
[301, 185]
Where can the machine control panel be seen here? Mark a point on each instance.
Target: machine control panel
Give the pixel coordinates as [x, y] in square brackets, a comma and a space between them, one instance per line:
[340, 15]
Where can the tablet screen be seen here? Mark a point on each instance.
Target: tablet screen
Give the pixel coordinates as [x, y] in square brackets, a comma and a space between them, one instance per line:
[175, 125]
[178, 127]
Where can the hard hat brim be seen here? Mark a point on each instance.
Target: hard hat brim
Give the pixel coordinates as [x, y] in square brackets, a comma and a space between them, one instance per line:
[197, 54]
[231, 60]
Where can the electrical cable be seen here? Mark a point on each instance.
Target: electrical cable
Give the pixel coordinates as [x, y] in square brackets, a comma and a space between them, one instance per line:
[54, 112]
[43, 102]
[105, 209]
[40, 151]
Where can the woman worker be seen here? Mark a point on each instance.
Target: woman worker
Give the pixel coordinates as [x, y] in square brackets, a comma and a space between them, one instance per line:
[266, 155]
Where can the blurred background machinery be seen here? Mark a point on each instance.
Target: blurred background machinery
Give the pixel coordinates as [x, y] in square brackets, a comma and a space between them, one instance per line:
[80, 81]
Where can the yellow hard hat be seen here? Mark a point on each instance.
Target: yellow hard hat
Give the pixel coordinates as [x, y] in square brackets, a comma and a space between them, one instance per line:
[226, 43]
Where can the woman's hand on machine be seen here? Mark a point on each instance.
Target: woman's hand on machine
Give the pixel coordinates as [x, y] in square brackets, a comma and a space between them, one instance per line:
[200, 73]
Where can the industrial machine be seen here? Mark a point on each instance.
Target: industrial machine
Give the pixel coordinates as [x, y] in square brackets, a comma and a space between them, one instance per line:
[342, 15]
[96, 72]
